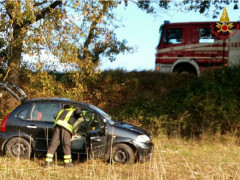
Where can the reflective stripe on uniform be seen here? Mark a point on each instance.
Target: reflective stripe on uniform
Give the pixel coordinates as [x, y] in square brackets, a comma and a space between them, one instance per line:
[69, 115]
[67, 161]
[67, 157]
[71, 110]
[49, 155]
[64, 122]
[65, 125]
[84, 112]
[48, 159]
[58, 116]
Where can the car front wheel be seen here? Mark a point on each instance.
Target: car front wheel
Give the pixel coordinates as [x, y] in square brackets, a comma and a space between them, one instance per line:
[123, 153]
[18, 147]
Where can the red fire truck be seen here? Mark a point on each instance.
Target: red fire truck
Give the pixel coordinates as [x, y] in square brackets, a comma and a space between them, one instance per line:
[197, 46]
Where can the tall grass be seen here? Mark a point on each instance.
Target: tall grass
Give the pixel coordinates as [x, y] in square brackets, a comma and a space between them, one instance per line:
[172, 159]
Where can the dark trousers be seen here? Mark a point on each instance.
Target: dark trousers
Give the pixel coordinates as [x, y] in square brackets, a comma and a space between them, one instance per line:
[62, 135]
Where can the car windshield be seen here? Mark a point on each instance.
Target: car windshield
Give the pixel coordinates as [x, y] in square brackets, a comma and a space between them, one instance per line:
[104, 114]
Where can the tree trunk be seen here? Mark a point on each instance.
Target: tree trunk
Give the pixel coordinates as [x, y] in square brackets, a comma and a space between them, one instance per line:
[15, 54]
[13, 8]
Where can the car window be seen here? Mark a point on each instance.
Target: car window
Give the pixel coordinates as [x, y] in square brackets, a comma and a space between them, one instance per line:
[93, 120]
[89, 120]
[44, 111]
[23, 114]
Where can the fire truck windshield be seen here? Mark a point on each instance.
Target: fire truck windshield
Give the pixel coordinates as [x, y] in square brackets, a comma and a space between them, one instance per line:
[160, 32]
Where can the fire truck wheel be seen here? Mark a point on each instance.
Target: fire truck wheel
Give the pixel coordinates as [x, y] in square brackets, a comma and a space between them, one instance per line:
[186, 70]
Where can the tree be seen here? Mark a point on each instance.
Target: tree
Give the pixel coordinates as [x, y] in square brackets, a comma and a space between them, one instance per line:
[203, 7]
[75, 32]
[17, 20]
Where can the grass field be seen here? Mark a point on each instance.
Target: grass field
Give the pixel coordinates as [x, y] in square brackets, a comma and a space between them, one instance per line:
[172, 159]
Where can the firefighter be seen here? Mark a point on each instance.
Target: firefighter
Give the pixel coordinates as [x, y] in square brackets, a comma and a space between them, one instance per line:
[63, 129]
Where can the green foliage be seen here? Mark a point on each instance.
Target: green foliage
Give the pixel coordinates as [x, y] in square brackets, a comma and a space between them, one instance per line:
[177, 105]
[75, 32]
[202, 7]
[213, 102]
[42, 84]
[139, 97]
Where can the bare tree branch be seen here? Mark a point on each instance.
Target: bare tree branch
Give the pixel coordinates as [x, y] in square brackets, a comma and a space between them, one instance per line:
[47, 10]
[39, 3]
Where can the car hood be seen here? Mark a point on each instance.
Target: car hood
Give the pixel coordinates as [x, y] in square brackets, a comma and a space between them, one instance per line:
[130, 128]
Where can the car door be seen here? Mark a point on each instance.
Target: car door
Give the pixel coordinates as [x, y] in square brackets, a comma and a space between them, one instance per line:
[39, 123]
[95, 133]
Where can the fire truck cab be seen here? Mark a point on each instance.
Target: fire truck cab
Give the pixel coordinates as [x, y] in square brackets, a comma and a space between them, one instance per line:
[197, 46]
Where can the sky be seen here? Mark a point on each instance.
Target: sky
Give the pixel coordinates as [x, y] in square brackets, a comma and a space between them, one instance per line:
[141, 30]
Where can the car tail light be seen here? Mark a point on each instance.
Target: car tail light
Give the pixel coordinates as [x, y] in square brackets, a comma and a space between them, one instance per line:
[4, 122]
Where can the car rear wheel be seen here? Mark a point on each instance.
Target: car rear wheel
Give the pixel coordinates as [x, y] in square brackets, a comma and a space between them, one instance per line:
[123, 154]
[18, 147]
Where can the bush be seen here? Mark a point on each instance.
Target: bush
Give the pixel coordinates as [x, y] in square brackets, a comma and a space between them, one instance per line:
[178, 105]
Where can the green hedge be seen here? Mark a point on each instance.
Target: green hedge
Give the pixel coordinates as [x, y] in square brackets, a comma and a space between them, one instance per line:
[178, 105]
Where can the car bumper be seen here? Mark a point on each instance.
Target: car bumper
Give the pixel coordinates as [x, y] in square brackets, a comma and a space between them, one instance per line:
[145, 151]
[3, 140]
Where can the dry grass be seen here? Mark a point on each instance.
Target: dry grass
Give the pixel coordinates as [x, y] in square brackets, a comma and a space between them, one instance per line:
[173, 159]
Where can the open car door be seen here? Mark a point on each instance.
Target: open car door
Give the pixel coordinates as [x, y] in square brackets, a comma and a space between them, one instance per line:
[14, 90]
[96, 138]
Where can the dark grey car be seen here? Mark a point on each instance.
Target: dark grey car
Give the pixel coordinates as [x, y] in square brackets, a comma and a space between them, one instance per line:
[28, 130]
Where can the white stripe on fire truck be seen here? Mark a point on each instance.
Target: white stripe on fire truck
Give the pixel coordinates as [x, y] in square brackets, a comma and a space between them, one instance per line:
[204, 49]
[190, 49]
[193, 46]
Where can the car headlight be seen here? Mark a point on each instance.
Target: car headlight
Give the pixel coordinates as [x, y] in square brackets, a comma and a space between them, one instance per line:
[142, 138]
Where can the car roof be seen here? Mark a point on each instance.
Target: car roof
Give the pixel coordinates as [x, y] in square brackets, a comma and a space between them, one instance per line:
[51, 99]
[57, 99]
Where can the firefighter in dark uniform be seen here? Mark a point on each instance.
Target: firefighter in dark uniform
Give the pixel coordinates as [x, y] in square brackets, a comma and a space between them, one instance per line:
[63, 129]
